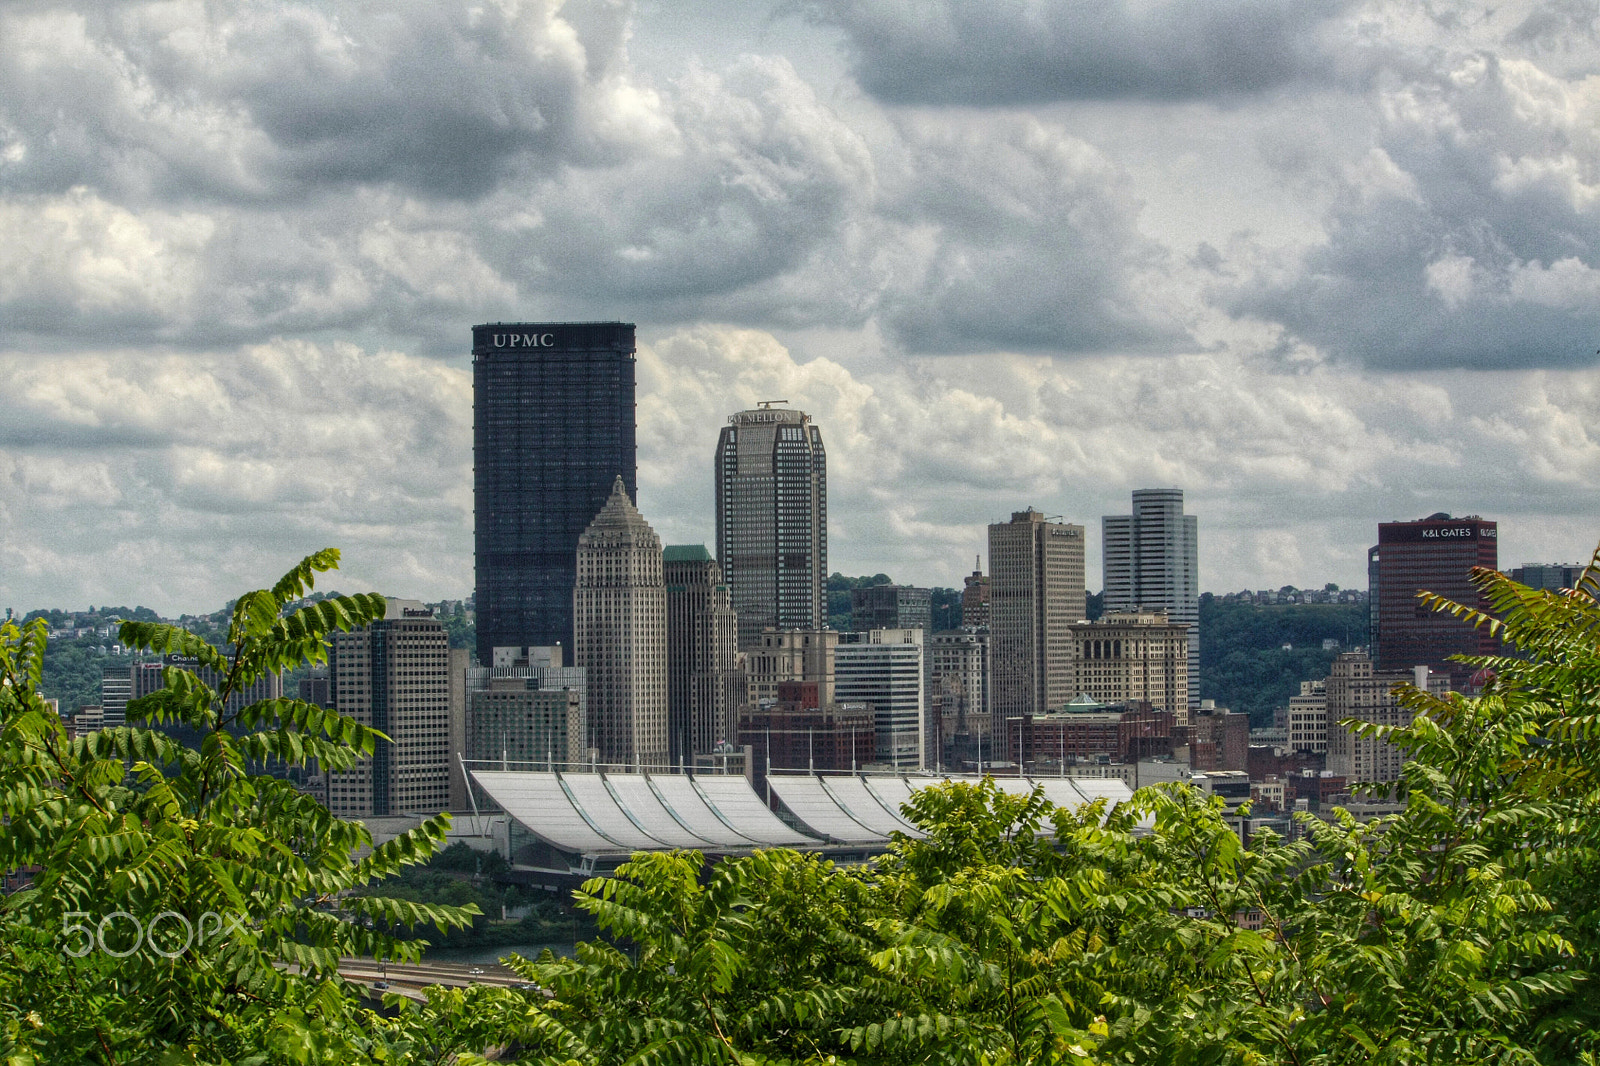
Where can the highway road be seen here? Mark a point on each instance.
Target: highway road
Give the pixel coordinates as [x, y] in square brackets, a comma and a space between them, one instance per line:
[409, 979]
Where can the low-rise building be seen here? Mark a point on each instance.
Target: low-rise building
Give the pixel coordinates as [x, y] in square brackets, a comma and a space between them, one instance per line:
[805, 655]
[1267, 796]
[528, 709]
[798, 730]
[1086, 731]
[1217, 738]
[1308, 718]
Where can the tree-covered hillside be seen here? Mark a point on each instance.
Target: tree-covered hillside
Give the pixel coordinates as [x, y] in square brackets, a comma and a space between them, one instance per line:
[946, 602]
[1253, 656]
[85, 644]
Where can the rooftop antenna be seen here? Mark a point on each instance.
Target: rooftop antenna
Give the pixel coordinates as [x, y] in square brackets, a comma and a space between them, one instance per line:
[766, 405]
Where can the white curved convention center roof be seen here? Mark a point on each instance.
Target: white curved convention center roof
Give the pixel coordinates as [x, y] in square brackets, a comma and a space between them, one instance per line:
[810, 802]
[594, 814]
[617, 814]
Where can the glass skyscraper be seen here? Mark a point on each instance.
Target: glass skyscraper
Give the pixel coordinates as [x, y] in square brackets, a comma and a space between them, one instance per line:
[1152, 563]
[553, 427]
[772, 520]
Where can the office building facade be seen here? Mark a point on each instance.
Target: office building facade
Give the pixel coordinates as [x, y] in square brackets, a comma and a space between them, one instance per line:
[620, 635]
[799, 730]
[393, 675]
[772, 520]
[527, 710]
[1151, 561]
[1551, 577]
[706, 686]
[801, 655]
[1433, 554]
[975, 600]
[884, 669]
[116, 689]
[1308, 718]
[1127, 656]
[149, 678]
[1217, 739]
[1036, 595]
[958, 696]
[1355, 688]
[553, 426]
[1087, 733]
[891, 607]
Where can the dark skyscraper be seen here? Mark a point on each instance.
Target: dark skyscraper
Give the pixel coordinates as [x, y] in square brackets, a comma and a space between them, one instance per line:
[553, 427]
[772, 520]
[1435, 554]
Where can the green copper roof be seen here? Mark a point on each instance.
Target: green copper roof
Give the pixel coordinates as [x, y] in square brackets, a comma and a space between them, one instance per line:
[685, 553]
[1083, 702]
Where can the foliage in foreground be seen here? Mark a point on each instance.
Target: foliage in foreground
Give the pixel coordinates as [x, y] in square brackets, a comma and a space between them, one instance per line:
[1462, 930]
[172, 890]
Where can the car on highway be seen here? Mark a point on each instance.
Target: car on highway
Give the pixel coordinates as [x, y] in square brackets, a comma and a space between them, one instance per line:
[476, 971]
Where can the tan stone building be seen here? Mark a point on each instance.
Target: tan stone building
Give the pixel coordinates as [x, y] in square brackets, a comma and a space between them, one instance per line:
[619, 615]
[803, 655]
[1035, 597]
[958, 696]
[1133, 655]
[1356, 690]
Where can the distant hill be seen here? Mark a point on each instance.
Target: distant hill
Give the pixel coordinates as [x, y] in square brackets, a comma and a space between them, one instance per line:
[946, 602]
[83, 643]
[1243, 662]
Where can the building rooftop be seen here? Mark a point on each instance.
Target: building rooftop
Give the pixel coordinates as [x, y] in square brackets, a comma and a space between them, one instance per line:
[619, 515]
[685, 553]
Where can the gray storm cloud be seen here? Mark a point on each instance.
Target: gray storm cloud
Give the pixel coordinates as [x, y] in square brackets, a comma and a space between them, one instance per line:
[1011, 52]
[1321, 265]
[247, 101]
[1469, 236]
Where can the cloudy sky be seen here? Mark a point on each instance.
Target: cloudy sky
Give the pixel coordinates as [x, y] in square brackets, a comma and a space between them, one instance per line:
[1319, 264]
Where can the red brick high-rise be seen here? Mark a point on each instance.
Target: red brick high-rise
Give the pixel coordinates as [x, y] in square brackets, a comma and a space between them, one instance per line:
[1435, 554]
